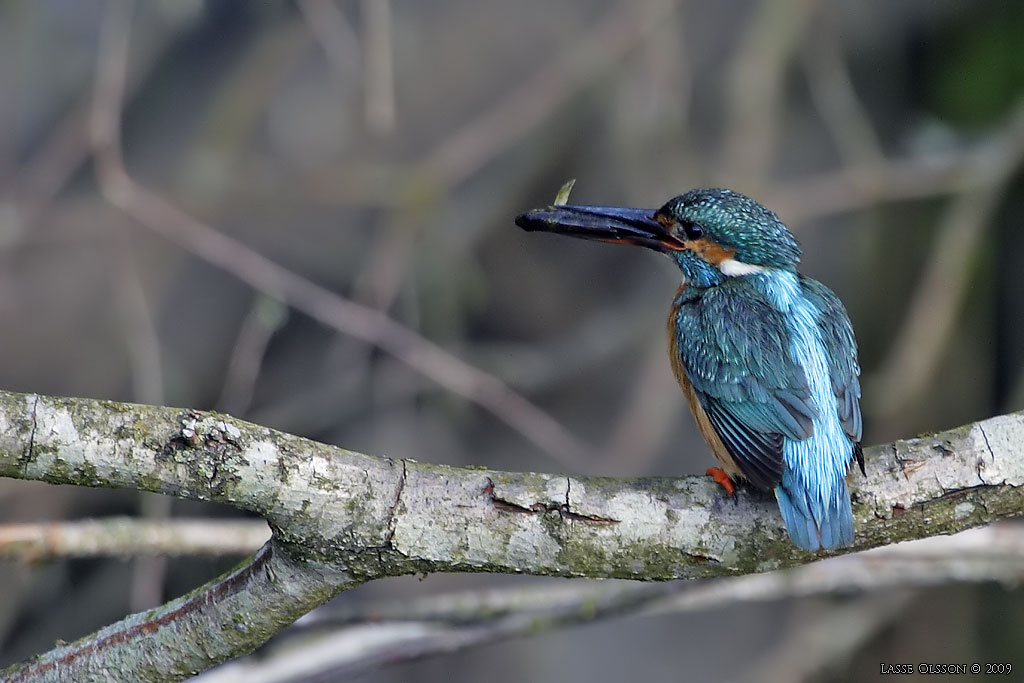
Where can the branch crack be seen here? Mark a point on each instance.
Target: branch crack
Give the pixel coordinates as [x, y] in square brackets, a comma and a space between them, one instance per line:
[392, 511]
[30, 451]
[988, 446]
[541, 508]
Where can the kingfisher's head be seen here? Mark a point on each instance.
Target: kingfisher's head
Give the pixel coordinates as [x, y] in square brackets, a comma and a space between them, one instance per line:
[711, 234]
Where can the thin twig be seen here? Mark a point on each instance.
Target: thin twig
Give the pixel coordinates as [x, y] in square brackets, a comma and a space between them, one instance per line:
[652, 408]
[357, 637]
[131, 537]
[927, 327]
[497, 129]
[379, 64]
[149, 572]
[754, 92]
[265, 317]
[276, 281]
[334, 33]
[371, 646]
[855, 188]
[993, 553]
[139, 325]
[525, 106]
[834, 96]
[809, 648]
[66, 146]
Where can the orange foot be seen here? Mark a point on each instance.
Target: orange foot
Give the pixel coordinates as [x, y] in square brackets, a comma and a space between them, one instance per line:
[722, 479]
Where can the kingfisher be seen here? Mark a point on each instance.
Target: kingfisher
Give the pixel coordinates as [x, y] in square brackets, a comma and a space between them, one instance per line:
[766, 357]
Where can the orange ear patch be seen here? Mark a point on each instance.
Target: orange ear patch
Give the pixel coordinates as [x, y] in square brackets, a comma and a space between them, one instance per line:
[710, 251]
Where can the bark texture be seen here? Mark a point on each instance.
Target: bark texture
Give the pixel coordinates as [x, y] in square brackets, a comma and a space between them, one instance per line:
[341, 518]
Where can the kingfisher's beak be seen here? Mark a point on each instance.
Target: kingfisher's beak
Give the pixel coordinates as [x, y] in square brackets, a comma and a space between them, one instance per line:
[603, 223]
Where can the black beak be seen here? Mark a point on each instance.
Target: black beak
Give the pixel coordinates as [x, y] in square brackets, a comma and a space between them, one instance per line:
[603, 223]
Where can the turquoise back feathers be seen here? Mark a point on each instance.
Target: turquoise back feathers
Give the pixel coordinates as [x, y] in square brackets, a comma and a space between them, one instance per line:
[773, 360]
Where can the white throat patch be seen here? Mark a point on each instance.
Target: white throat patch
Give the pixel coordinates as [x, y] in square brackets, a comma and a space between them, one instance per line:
[733, 268]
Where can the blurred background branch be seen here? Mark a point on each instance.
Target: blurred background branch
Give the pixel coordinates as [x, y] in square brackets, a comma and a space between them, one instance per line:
[343, 641]
[128, 536]
[346, 316]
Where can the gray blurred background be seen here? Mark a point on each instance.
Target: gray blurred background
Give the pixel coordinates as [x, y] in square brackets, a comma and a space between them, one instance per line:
[382, 148]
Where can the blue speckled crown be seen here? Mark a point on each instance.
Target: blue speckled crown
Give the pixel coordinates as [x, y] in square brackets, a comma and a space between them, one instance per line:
[738, 222]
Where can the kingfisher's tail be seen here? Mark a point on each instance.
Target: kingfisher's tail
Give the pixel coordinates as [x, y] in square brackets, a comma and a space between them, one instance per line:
[812, 525]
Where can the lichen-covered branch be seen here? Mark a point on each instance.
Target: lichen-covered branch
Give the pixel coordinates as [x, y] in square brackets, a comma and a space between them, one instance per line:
[219, 621]
[348, 639]
[346, 517]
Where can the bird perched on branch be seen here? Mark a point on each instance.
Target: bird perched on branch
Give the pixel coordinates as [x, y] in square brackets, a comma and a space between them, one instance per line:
[765, 356]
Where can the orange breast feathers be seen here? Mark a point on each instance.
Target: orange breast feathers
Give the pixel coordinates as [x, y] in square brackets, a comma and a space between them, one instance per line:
[718, 448]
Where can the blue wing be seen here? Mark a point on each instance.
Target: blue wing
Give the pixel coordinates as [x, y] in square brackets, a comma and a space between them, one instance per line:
[841, 350]
[734, 346]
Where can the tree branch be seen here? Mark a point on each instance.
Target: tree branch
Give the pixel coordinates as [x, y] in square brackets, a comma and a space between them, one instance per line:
[130, 536]
[341, 518]
[222, 619]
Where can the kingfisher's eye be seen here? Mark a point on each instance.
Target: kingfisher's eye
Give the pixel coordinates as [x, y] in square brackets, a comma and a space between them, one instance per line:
[693, 231]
